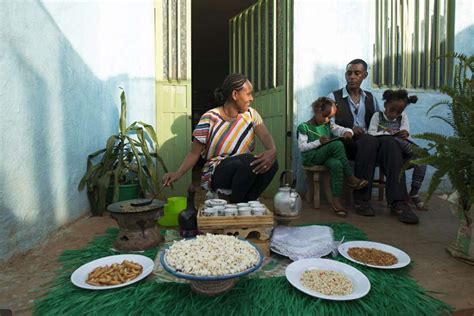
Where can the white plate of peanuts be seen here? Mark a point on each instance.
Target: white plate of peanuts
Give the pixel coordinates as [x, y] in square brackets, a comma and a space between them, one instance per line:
[112, 272]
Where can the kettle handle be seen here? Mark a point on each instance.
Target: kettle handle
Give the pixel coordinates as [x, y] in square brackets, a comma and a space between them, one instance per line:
[293, 178]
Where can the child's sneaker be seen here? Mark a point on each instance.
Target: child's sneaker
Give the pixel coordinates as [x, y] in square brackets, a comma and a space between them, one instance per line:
[418, 202]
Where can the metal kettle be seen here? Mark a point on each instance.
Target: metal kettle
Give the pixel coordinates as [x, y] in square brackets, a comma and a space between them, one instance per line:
[287, 202]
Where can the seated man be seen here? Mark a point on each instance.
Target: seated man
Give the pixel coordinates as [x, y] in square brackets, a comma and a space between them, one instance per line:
[355, 108]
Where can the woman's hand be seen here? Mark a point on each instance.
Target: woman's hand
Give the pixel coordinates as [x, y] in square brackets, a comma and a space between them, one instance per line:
[170, 177]
[323, 139]
[347, 135]
[264, 161]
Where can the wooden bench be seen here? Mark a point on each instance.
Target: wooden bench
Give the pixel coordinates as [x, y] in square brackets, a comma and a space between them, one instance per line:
[315, 174]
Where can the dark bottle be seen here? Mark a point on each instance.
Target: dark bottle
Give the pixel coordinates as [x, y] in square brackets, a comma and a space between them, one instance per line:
[188, 218]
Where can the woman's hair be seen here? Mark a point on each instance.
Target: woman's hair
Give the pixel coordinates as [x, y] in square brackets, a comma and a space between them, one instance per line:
[395, 95]
[322, 103]
[231, 82]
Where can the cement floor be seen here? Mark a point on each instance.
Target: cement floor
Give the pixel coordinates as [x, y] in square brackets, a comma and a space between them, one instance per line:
[25, 276]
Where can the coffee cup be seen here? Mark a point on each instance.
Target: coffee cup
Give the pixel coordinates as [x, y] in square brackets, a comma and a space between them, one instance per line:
[258, 211]
[208, 212]
[218, 202]
[245, 211]
[230, 212]
[256, 204]
[239, 205]
[220, 210]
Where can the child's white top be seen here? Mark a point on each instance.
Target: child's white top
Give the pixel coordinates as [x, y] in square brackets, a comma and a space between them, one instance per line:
[374, 124]
[336, 130]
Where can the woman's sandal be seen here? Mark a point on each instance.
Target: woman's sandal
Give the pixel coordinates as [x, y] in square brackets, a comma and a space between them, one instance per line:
[339, 212]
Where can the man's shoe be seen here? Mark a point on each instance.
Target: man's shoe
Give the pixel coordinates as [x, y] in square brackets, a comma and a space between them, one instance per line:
[363, 208]
[404, 212]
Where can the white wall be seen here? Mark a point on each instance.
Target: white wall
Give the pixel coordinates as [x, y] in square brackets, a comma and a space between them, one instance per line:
[62, 64]
[329, 34]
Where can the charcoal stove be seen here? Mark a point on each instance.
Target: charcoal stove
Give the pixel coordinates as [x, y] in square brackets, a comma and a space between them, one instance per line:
[137, 223]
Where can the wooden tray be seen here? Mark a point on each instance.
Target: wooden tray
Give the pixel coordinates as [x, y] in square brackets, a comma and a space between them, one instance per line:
[223, 222]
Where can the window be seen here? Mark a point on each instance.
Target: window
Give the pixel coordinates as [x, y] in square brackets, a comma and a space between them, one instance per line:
[409, 36]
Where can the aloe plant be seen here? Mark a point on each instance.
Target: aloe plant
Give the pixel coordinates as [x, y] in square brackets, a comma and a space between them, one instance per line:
[128, 157]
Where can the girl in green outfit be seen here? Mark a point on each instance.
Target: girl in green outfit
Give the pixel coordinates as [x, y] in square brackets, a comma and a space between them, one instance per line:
[317, 149]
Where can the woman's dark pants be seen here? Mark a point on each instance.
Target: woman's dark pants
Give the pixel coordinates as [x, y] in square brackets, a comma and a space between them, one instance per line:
[235, 173]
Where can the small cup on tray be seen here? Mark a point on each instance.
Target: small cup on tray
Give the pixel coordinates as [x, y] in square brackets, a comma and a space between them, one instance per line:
[245, 211]
[258, 211]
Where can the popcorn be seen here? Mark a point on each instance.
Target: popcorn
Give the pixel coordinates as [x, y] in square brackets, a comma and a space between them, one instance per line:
[211, 255]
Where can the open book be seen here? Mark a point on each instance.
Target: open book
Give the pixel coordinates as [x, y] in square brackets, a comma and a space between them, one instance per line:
[393, 135]
[331, 140]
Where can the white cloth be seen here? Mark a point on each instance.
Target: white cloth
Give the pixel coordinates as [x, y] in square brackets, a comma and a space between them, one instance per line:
[312, 241]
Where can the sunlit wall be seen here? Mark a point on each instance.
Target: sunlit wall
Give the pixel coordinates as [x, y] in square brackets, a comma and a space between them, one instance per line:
[62, 64]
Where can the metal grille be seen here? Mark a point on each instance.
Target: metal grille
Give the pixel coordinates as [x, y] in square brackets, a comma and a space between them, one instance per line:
[258, 41]
[410, 36]
[174, 27]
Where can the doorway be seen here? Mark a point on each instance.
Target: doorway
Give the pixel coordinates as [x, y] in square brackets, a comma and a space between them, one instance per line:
[210, 55]
[247, 36]
[210, 49]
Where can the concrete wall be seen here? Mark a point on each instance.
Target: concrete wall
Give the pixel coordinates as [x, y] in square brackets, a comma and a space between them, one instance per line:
[328, 34]
[61, 65]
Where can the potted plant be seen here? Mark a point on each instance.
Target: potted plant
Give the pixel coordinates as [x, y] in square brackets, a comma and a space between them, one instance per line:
[129, 159]
[454, 155]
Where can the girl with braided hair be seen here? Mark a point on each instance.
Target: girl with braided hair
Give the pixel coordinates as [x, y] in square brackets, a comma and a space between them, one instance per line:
[317, 149]
[394, 121]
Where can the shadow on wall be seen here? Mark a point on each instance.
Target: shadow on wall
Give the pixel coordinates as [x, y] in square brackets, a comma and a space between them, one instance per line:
[59, 112]
[168, 148]
[9, 224]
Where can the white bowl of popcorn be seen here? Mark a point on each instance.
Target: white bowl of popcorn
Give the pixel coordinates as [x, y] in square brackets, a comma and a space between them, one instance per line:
[211, 258]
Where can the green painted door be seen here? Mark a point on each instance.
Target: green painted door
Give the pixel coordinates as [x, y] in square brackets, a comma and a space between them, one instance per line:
[261, 48]
[173, 85]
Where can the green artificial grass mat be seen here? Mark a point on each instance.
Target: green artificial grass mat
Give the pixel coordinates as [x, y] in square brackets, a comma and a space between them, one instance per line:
[392, 292]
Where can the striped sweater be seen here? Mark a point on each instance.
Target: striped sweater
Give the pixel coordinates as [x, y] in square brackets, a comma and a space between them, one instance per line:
[223, 138]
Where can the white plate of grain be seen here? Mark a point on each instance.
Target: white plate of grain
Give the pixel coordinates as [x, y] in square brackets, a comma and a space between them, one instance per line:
[348, 279]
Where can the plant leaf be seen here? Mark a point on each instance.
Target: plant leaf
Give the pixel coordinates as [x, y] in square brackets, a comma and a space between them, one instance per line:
[123, 113]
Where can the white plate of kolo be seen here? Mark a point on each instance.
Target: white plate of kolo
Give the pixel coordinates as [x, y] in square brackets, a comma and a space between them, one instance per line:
[374, 254]
[328, 279]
